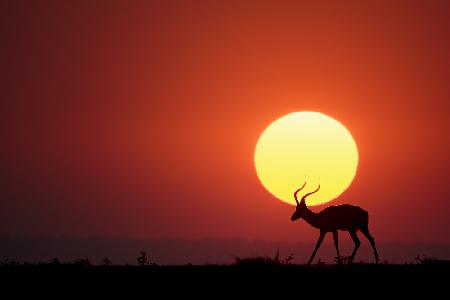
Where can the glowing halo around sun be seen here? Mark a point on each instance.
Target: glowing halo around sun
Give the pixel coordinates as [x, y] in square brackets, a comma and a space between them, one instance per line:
[307, 145]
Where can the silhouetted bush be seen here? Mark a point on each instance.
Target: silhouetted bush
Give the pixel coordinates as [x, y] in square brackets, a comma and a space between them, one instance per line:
[82, 262]
[142, 259]
[10, 263]
[107, 262]
[430, 260]
[344, 259]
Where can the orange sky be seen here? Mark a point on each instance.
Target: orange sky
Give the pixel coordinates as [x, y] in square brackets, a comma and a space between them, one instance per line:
[129, 118]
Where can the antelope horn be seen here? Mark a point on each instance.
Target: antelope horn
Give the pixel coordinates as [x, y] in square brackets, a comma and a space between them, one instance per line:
[304, 197]
[295, 194]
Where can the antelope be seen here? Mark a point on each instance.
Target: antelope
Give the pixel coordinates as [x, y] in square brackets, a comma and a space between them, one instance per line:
[343, 217]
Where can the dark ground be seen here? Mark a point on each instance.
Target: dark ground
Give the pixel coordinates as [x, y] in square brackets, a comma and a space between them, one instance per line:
[252, 276]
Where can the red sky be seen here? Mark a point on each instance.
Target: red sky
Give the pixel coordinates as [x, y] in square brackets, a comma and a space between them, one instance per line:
[139, 119]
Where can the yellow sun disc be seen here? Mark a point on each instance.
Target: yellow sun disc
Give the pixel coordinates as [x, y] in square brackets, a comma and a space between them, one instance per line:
[306, 145]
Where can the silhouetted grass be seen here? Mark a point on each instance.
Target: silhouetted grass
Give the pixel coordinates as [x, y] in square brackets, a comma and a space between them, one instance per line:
[251, 261]
[263, 260]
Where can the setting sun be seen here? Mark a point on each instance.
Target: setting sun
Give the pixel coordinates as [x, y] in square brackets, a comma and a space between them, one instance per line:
[306, 145]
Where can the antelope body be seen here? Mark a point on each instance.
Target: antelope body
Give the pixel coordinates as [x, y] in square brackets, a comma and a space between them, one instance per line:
[333, 218]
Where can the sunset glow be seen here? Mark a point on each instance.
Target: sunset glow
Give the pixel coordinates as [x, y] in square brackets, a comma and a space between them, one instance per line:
[185, 122]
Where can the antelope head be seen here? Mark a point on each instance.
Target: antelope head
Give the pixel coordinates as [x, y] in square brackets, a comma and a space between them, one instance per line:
[301, 208]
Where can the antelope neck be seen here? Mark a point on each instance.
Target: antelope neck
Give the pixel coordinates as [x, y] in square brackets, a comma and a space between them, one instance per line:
[311, 218]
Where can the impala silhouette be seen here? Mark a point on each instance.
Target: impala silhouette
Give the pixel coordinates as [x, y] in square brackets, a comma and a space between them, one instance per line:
[333, 218]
